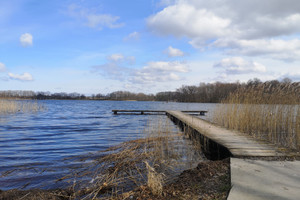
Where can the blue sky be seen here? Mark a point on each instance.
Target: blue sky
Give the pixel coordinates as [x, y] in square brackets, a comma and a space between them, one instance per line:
[90, 46]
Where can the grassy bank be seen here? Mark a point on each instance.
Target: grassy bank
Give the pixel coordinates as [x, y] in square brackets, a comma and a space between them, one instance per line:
[265, 111]
[14, 106]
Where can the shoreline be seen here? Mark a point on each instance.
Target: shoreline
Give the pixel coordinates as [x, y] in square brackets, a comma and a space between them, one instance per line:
[209, 180]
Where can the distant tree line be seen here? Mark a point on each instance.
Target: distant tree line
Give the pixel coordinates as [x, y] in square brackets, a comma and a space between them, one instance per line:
[125, 95]
[204, 92]
[20, 94]
[118, 95]
[218, 91]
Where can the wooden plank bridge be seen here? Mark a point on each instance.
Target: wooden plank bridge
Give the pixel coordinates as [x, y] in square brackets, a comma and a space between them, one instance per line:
[251, 177]
[236, 143]
[155, 112]
[215, 139]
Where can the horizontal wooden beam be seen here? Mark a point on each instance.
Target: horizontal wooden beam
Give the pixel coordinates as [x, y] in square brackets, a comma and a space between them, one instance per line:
[200, 112]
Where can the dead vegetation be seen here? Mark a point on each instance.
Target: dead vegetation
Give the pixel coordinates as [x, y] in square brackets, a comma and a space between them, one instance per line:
[210, 180]
[146, 168]
[14, 106]
[143, 162]
[268, 111]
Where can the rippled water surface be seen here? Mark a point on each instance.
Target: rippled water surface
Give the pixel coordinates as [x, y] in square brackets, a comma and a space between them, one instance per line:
[35, 148]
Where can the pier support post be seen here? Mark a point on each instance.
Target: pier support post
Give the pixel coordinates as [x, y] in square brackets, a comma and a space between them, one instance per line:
[298, 140]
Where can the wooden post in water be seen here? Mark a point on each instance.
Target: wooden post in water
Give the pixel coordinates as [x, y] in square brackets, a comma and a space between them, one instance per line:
[298, 139]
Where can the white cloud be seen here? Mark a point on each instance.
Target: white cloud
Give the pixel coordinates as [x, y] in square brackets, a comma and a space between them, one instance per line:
[173, 52]
[93, 19]
[185, 20]
[155, 72]
[121, 58]
[258, 27]
[264, 19]
[2, 67]
[26, 39]
[279, 49]
[237, 65]
[253, 19]
[166, 67]
[132, 36]
[116, 57]
[102, 20]
[21, 77]
[267, 26]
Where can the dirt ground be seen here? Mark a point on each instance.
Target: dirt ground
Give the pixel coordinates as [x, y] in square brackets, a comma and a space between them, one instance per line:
[209, 180]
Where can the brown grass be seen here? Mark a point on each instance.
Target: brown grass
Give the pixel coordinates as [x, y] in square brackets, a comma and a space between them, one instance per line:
[13, 106]
[140, 169]
[120, 169]
[154, 180]
[265, 111]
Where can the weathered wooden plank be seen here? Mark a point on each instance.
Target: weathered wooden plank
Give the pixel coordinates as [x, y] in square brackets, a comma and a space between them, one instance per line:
[238, 144]
[142, 112]
[197, 112]
[139, 110]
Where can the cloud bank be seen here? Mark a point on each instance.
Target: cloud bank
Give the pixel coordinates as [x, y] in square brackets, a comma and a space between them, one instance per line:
[118, 67]
[159, 71]
[238, 65]
[224, 25]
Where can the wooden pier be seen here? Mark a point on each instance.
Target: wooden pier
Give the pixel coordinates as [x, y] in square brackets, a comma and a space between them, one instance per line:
[155, 112]
[216, 142]
[254, 169]
[227, 142]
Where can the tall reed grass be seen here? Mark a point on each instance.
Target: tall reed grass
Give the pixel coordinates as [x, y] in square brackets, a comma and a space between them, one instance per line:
[266, 111]
[14, 106]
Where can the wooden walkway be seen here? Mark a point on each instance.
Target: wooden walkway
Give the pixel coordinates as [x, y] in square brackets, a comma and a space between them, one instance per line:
[215, 139]
[251, 176]
[155, 112]
[239, 145]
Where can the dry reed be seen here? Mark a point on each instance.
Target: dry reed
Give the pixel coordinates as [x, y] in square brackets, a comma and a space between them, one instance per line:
[134, 164]
[13, 106]
[266, 111]
[155, 180]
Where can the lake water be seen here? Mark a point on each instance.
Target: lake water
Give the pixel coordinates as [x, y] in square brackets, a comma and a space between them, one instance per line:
[35, 148]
